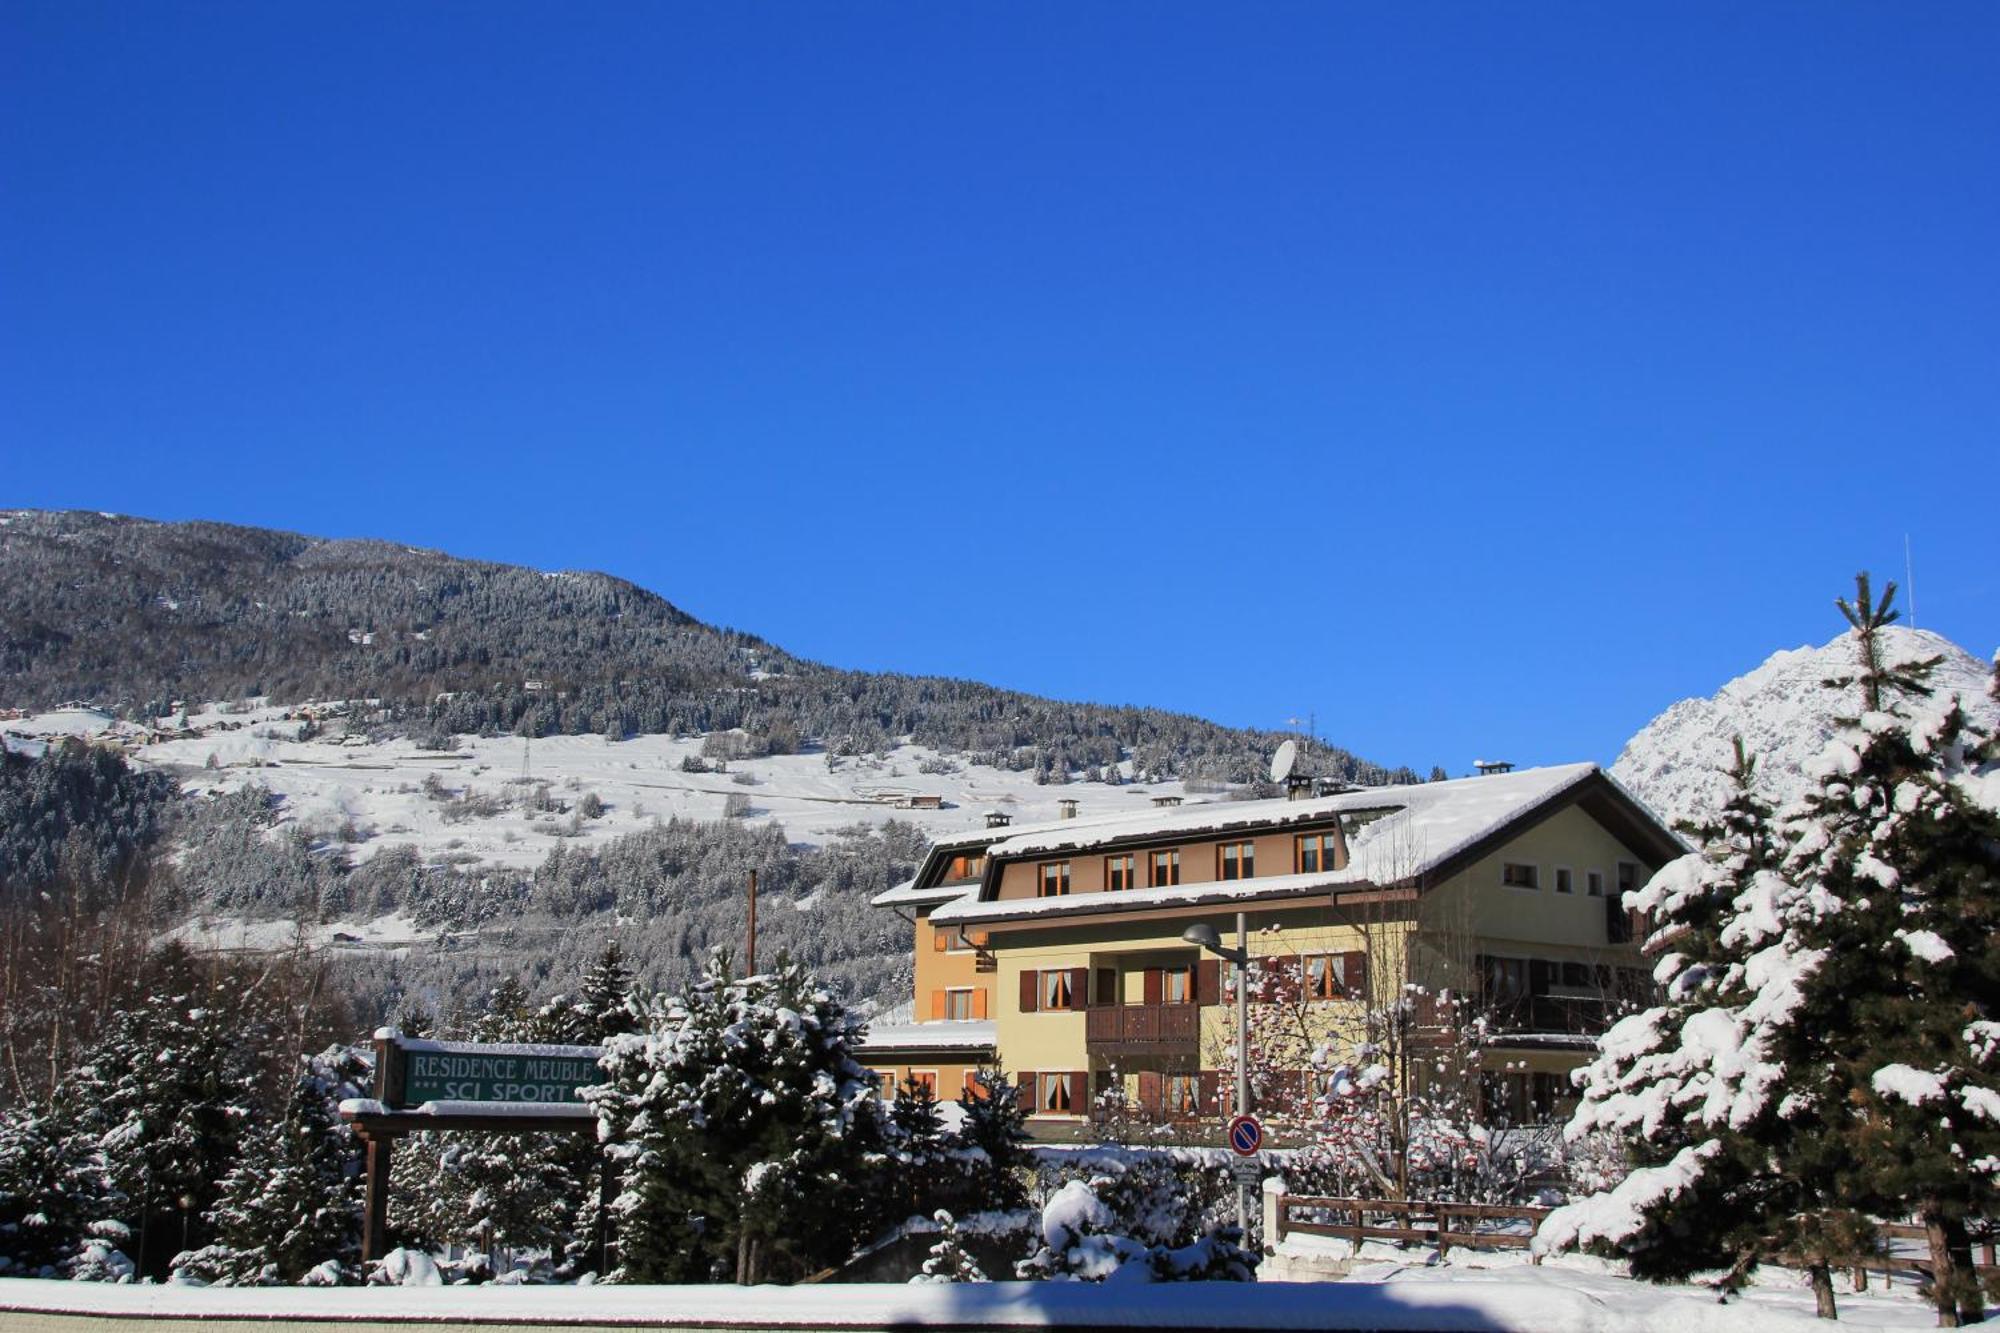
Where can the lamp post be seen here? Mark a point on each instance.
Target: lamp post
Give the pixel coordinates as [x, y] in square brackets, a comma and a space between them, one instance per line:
[1205, 937]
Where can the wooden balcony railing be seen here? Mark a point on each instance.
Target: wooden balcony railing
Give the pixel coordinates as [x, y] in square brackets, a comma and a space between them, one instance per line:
[1138, 1029]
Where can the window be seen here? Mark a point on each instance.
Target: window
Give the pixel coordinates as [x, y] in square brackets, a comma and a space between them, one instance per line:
[926, 1079]
[1593, 883]
[1178, 986]
[1183, 1094]
[1504, 979]
[966, 865]
[1055, 879]
[1052, 1093]
[952, 941]
[1238, 860]
[1166, 868]
[958, 1004]
[1314, 852]
[1563, 884]
[887, 1078]
[1119, 873]
[1517, 876]
[1628, 878]
[1323, 977]
[1058, 991]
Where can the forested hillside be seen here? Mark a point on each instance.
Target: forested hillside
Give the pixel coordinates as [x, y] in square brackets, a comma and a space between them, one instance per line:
[132, 615]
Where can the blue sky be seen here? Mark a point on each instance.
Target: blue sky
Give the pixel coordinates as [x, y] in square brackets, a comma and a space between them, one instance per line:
[1481, 378]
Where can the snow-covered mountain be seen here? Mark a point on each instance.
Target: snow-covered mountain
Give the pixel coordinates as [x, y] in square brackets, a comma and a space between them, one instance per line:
[1785, 715]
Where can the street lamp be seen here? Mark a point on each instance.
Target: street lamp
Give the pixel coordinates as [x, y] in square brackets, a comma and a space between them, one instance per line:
[1204, 936]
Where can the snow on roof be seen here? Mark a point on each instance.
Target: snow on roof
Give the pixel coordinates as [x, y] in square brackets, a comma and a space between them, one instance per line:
[907, 894]
[1428, 824]
[950, 1035]
[1451, 814]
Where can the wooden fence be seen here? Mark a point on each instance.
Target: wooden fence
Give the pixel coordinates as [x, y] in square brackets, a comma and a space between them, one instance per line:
[1431, 1222]
[1512, 1227]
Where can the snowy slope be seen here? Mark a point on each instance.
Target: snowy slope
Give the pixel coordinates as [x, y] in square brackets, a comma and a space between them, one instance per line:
[467, 804]
[1785, 716]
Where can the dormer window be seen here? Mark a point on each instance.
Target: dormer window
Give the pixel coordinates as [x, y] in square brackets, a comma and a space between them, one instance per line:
[1236, 860]
[1054, 879]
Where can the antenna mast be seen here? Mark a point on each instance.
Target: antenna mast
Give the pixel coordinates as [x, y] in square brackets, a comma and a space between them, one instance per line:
[1910, 580]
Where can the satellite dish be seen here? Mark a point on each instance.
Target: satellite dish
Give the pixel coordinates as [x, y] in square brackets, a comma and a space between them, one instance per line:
[1284, 761]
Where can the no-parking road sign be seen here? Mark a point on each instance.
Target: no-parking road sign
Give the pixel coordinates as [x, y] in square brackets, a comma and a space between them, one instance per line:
[1245, 1136]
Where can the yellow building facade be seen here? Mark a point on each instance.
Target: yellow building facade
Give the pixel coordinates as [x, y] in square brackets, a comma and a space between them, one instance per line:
[1370, 916]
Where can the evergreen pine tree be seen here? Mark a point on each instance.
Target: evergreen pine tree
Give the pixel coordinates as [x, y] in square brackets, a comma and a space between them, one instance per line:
[948, 1261]
[1899, 865]
[167, 1092]
[991, 1120]
[51, 1186]
[293, 1202]
[740, 1113]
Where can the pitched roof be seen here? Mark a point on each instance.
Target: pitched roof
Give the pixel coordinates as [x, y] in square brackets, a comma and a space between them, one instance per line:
[1425, 831]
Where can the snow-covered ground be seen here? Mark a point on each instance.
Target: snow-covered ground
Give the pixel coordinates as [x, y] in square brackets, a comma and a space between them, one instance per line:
[376, 795]
[1785, 716]
[1553, 1298]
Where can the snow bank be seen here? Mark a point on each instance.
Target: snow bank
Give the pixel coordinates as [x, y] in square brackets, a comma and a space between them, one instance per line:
[1523, 1299]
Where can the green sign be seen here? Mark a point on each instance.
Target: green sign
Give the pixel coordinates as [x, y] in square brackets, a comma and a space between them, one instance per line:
[525, 1076]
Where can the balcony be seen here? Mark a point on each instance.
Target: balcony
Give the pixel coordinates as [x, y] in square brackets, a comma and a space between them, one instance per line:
[1116, 1030]
[1585, 1016]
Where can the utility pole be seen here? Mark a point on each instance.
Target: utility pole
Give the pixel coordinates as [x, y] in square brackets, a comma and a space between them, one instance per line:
[750, 945]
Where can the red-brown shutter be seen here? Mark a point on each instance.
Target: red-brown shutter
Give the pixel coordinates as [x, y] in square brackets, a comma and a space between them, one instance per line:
[1079, 988]
[979, 1003]
[1211, 1084]
[1208, 982]
[1156, 985]
[1031, 992]
[1024, 1092]
[973, 1090]
[1152, 1090]
[937, 1004]
[1354, 967]
[1079, 1104]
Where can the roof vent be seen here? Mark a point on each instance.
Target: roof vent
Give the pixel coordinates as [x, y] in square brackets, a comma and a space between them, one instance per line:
[1066, 808]
[1488, 767]
[998, 819]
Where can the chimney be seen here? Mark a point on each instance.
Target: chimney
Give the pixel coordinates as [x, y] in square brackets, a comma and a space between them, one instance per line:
[1066, 808]
[998, 819]
[1488, 767]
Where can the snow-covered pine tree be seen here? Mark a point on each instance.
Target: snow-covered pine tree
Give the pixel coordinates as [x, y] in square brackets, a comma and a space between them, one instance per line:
[1841, 1036]
[51, 1186]
[948, 1261]
[168, 1091]
[1898, 861]
[739, 1113]
[1719, 1090]
[991, 1121]
[293, 1201]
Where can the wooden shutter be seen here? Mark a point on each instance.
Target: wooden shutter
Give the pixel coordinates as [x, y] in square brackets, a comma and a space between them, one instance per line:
[1152, 1091]
[1079, 1103]
[937, 1004]
[1208, 982]
[1354, 969]
[940, 940]
[1024, 1092]
[1031, 992]
[1211, 1085]
[973, 1092]
[1079, 988]
[979, 1003]
[1156, 985]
